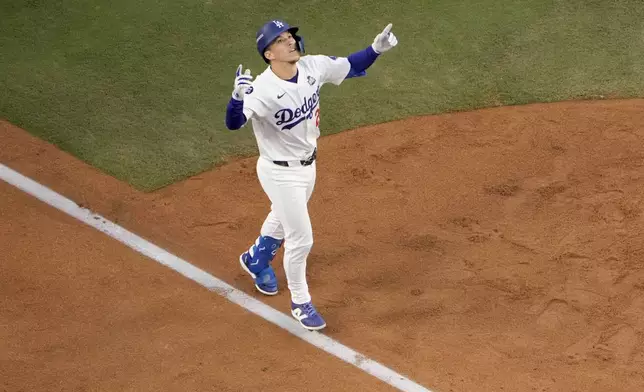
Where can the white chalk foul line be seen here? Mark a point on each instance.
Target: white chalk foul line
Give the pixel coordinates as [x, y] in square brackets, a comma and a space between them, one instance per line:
[210, 282]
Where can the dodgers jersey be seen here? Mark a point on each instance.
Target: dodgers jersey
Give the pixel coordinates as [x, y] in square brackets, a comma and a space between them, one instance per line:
[285, 115]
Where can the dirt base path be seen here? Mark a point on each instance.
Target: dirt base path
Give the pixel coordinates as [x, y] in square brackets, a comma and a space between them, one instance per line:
[81, 312]
[494, 250]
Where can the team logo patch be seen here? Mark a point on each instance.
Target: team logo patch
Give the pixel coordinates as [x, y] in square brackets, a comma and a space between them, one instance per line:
[278, 24]
[311, 80]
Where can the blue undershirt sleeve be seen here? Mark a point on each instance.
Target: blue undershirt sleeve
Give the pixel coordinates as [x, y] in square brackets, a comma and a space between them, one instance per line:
[235, 117]
[360, 61]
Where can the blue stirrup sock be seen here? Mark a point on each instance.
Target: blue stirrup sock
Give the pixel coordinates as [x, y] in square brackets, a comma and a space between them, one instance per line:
[262, 253]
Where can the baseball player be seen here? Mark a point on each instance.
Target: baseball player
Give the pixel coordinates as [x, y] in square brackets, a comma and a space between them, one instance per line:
[283, 104]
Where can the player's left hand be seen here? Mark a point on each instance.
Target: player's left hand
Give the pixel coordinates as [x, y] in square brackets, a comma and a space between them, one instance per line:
[384, 41]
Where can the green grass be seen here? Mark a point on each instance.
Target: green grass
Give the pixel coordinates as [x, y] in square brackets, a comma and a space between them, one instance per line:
[139, 89]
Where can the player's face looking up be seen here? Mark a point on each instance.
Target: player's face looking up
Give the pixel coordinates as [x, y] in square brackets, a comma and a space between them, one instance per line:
[283, 49]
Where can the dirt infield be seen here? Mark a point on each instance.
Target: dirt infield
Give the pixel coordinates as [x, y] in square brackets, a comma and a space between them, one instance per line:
[85, 313]
[497, 250]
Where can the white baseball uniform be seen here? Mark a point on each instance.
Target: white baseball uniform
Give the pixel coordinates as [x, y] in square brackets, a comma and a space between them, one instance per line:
[285, 117]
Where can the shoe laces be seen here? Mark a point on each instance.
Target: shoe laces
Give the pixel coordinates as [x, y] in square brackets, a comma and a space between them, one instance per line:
[309, 309]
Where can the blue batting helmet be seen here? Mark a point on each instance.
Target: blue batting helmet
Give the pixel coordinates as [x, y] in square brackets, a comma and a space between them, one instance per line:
[269, 33]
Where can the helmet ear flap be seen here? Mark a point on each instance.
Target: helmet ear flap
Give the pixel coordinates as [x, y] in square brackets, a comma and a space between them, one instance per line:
[299, 42]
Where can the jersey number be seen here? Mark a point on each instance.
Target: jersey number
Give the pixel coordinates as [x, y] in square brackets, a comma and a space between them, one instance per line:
[317, 117]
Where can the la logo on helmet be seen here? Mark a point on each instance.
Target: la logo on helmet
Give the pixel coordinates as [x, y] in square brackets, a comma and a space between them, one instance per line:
[278, 24]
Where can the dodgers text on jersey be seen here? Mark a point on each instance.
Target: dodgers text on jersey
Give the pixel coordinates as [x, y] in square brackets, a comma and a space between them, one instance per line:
[292, 117]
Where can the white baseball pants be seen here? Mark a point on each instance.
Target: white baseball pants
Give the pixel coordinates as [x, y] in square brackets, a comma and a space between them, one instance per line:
[289, 190]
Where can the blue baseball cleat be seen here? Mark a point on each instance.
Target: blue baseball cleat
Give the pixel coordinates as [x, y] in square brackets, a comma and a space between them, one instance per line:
[265, 280]
[308, 316]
